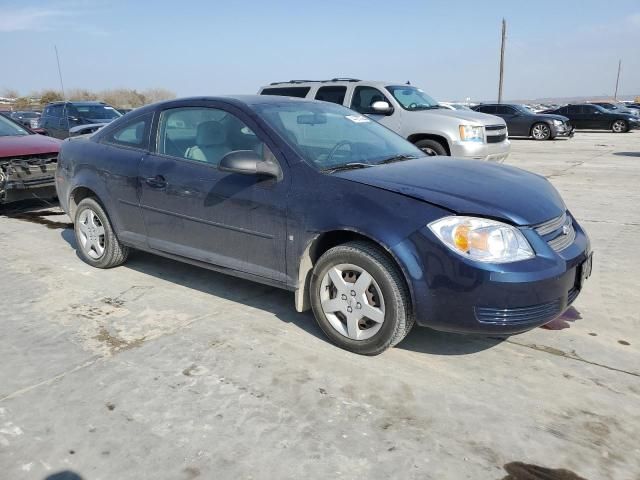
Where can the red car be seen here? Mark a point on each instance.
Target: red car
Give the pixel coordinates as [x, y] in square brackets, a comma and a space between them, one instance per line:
[27, 162]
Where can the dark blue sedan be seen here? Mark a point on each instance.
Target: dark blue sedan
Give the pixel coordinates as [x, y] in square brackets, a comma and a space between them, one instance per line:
[320, 200]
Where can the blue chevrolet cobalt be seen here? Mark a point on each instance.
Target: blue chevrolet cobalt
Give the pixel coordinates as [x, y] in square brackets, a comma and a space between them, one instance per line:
[312, 197]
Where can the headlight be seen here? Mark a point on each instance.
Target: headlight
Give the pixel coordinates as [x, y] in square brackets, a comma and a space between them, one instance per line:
[471, 133]
[558, 122]
[482, 240]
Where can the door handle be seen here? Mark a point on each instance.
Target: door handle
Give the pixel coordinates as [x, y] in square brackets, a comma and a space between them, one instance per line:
[156, 182]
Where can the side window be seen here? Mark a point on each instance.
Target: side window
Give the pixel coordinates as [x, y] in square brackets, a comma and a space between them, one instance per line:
[299, 92]
[364, 97]
[573, 109]
[590, 109]
[487, 109]
[333, 94]
[55, 111]
[563, 110]
[134, 134]
[502, 110]
[204, 134]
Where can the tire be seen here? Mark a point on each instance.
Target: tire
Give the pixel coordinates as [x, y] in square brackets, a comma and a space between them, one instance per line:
[387, 296]
[431, 147]
[541, 131]
[619, 126]
[97, 243]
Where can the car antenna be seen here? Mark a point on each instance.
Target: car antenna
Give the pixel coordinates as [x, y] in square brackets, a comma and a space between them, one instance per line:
[59, 72]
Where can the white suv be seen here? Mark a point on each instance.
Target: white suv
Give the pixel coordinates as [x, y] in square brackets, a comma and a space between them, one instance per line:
[410, 112]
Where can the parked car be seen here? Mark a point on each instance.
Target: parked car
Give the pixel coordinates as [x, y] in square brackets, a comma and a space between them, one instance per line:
[616, 107]
[523, 122]
[588, 116]
[368, 231]
[28, 119]
[410, 112]
[27, 162]
[64, 119]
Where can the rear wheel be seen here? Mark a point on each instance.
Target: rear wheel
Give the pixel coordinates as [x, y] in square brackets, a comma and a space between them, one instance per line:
[360, 299]
[619, 126]
[541, 131]
[431, 147]
[97, 242]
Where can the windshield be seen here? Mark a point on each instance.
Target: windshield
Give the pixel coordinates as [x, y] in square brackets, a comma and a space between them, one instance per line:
[524, 108]
[412, 98]
[94, 112]
[10, 129]
[329, 136]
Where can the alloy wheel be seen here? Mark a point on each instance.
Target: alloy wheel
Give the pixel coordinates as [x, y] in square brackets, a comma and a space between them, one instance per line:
[352, 301]
[91, 234]
[541, 132]
[619, 126]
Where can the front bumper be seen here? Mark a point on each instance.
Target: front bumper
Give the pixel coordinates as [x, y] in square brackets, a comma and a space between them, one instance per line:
[562, 131]
[21, 180]
[457, 295]
[495, 152]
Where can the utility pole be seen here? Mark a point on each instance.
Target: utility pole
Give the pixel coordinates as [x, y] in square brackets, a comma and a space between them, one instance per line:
[504, 36]
[59, 72]
[615, 95]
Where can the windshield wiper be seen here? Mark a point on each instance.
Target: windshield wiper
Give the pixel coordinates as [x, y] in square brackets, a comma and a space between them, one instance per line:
[346, 166]
[397, 158]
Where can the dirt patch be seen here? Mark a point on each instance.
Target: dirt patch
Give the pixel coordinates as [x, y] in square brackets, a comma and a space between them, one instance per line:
[526, 471]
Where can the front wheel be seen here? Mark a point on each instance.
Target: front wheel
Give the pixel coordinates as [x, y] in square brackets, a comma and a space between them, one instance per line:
[97, 242]
[360, 299]
[431, 147]
[619, 126]
[541, 131]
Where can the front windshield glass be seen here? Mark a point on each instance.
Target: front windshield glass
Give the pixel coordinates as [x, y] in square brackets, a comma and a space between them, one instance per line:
[329, 136]
[10, 129]
[94, 112]
[523, 108]
[412, 98]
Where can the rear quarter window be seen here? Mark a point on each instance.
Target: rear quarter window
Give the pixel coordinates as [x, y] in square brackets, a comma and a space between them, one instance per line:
[299, 92]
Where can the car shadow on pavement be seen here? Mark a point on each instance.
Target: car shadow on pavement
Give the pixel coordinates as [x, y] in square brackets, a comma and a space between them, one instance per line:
[627, 154]
[281, 302]
[64, 475]
[433, 342]
[226, 287]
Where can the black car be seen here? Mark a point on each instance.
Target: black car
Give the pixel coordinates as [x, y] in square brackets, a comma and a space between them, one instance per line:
[523, 122]
[28, 119]
[65, 119]
[589, 116]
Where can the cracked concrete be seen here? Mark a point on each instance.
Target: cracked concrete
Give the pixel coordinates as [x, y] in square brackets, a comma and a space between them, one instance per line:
[162, 370]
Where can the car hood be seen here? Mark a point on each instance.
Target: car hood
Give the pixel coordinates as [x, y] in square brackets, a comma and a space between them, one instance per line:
[15, 146]
[468, 187]
[465, 115]
[550, 116]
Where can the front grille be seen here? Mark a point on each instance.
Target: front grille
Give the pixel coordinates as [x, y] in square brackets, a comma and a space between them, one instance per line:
[493, 128]
[559, 232]
[496, 138]
[522, 315]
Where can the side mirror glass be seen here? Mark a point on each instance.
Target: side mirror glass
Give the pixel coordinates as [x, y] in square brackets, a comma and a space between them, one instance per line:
[248, 162]
[381, 107]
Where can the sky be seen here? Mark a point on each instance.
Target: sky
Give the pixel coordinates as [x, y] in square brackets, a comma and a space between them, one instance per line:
[449, 48]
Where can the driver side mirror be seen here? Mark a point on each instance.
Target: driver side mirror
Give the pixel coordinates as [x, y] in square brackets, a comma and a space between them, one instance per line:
[381, 107]
[248, 162]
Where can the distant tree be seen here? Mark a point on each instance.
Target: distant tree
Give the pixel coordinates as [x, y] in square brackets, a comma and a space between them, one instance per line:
[48, 96]
[10, 93]
[153, 95]
[82, 94]
[22, 103]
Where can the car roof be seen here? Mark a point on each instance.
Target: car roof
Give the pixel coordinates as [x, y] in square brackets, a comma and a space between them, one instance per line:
[79, 102]
[333, 81]
[238, 100]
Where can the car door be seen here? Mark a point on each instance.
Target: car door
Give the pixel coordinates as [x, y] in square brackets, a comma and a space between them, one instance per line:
[594, 117]
[194, 210]
[362, 97]
[513, 121]
[575, 114]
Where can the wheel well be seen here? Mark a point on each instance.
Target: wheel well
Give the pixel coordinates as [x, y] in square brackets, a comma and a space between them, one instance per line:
[77, 196]
[416, 137]
[320, 245]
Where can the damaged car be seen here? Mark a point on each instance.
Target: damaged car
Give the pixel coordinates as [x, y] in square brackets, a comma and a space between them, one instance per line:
[27, 163]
